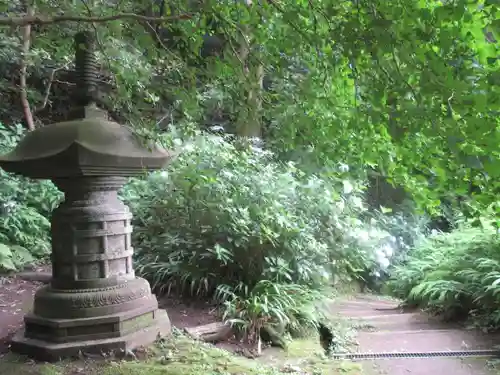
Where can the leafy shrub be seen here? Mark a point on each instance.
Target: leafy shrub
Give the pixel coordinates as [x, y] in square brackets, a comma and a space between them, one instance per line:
[229, 221]
[289, 307]
[406, 228]
[456, 274]
[225, 215]
[25, 208]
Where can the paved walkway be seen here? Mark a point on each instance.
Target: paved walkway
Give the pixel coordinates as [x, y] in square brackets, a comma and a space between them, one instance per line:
[389, 330]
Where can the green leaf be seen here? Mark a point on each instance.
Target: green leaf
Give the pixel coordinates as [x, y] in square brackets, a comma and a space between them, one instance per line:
[5, 251]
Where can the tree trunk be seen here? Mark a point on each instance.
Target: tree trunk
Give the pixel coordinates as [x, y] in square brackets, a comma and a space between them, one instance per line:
[249, 122]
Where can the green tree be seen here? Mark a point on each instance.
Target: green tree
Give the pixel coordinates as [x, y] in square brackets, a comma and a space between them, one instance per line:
[404, 89]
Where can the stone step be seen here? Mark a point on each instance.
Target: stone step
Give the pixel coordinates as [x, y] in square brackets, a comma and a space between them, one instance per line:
[411, 332]
[350, 312]
[392, 317]
[427, 366]
[431, 329]
[366, 303]
[423, 341]
[388, 308]
[396, 327]
[368, 297]
[407, 322]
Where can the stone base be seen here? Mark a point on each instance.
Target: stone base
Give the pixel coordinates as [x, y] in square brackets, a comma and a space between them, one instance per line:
[50, 351]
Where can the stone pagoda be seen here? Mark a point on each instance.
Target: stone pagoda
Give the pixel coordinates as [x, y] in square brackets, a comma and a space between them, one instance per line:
[94, 302]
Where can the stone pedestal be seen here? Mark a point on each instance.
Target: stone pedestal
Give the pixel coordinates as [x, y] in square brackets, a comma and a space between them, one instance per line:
[94, 302]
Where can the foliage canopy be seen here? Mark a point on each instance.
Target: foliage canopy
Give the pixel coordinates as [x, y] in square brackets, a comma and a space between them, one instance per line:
[403, 89]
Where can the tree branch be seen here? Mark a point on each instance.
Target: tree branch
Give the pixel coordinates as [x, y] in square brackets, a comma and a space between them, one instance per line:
[39, 19]
[26, 39]
[49, 87]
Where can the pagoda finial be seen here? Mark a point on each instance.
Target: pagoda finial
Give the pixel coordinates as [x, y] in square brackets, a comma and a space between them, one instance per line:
[86, 68]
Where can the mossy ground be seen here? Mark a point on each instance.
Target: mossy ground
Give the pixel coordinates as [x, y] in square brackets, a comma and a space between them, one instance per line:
[307, 355]
[182, 356]
[492, 365]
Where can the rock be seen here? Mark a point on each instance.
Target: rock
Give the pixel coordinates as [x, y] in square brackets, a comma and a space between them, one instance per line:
[42, 277]
[273, 335]
[288, 368]
[213, 332]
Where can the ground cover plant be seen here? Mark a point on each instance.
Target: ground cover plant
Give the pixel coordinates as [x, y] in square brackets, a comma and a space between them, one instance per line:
[25, 207]
[456, 274]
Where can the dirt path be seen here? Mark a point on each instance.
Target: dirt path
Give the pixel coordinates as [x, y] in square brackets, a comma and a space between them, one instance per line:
[15, 299]
[392, 331]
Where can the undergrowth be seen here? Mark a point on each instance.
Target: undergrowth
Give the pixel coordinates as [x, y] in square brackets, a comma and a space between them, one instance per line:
[456, 275]
[225, 215]
[229, 221]
[25, 207]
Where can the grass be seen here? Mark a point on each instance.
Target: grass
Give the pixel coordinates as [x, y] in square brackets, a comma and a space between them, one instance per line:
[492, 365]
[307, 355]
[180, 355]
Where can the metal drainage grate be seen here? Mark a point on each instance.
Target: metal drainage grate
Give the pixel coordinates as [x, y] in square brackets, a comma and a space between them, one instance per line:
[397, 355]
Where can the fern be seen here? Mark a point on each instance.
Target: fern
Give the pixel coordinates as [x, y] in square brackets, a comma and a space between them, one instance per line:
[454, 274]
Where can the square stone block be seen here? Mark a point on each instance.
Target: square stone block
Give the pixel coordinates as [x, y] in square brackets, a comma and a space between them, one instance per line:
[92, 328]
[130, 338]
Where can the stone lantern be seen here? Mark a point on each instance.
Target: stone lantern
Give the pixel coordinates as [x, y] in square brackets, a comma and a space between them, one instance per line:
[94, 302]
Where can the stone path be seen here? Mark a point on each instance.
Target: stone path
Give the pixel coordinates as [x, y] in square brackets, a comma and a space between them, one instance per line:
[389, 330]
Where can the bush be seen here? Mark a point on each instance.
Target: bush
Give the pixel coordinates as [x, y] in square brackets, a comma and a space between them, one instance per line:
[271, 306]
[25, 208]
[456, 274]
[261, 236]
[222, 215]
